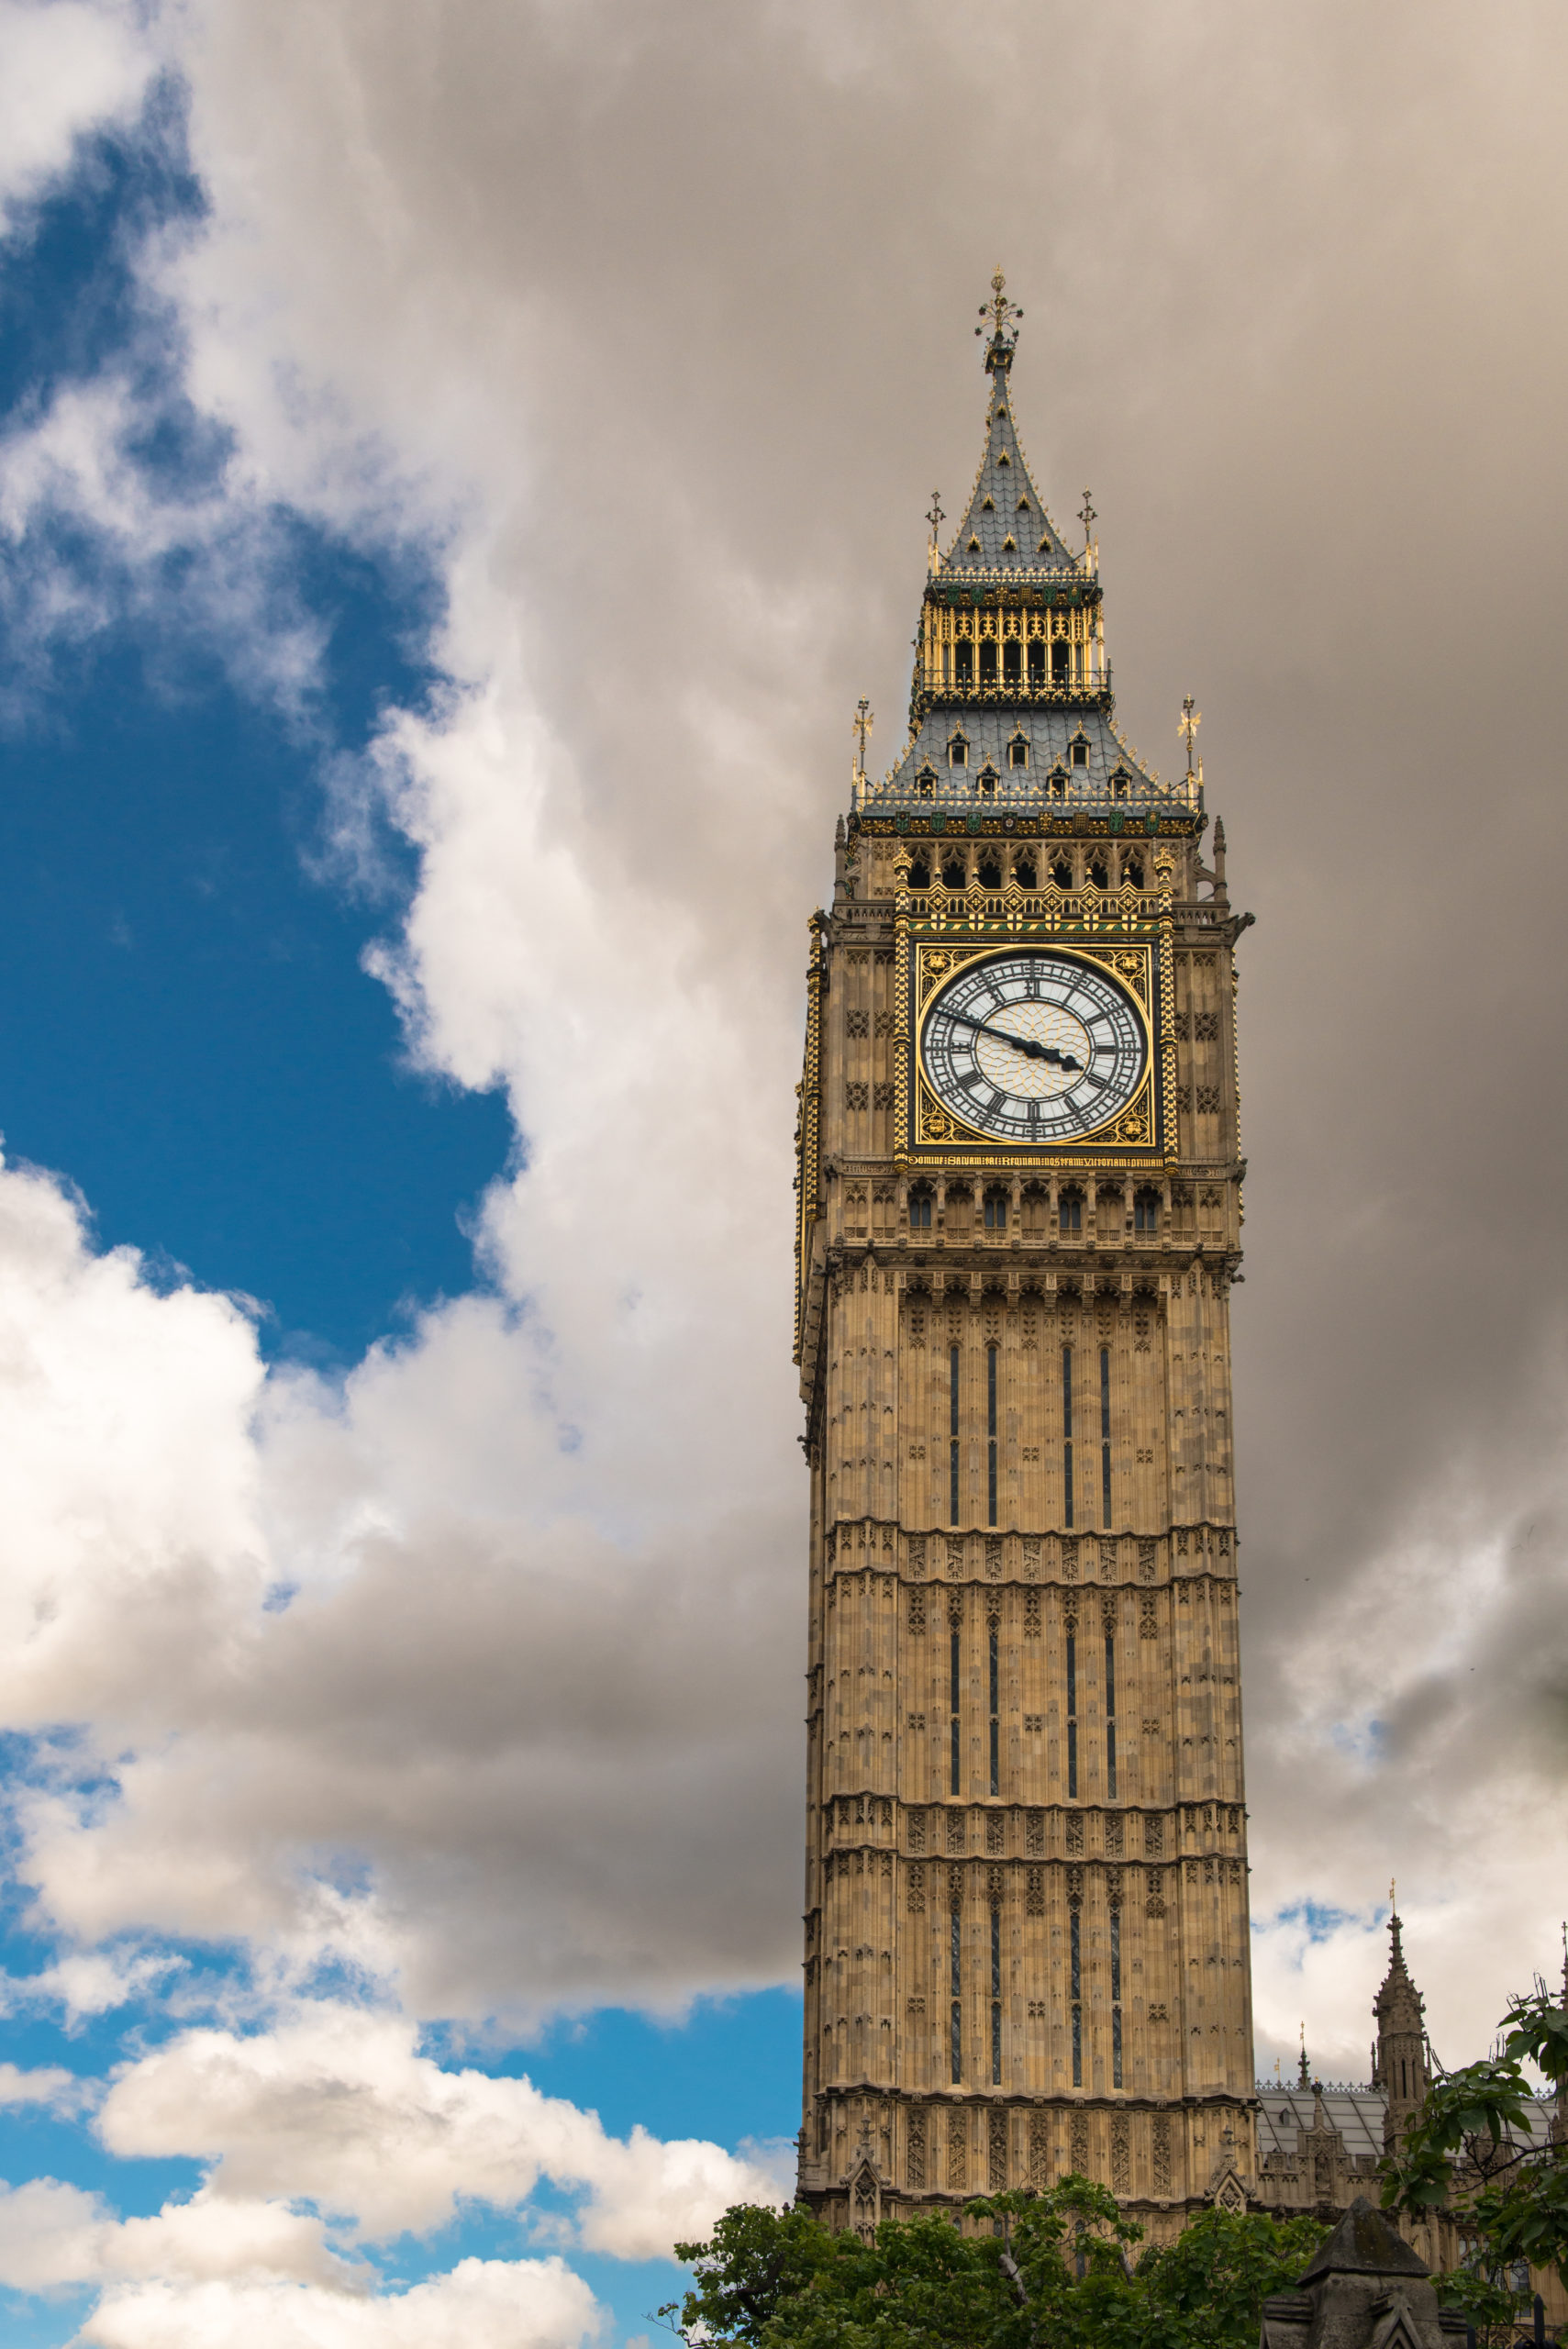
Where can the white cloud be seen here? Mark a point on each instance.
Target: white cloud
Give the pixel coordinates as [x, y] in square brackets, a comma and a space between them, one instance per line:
[334, 2105]
[65, 69]
[94, 1982]
[49, 2085]
[480, 2304]
[50, 2235]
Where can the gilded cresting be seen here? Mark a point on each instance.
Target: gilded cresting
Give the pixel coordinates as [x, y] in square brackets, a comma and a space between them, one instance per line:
[1020, 1220]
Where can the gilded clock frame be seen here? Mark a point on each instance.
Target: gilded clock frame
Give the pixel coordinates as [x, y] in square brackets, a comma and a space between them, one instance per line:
[933, 947]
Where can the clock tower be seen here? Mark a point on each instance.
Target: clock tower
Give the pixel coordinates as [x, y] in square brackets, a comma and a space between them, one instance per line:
[1019, 1220]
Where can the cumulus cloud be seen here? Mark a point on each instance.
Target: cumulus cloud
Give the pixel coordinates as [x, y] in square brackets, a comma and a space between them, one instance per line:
[50, 2235]
[65, 69]
[337, 2106]
[49, 2085]
[480, 2304]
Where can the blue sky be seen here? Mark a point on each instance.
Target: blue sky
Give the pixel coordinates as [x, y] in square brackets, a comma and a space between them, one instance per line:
[195, 1049]
[459, 471]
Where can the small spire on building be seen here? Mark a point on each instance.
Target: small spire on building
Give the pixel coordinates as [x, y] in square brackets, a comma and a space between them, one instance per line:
[1305, 2079]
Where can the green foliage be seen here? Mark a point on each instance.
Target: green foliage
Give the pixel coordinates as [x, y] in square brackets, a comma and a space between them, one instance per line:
[1061, 2268]
[1469, 2148]
[1487, 2301]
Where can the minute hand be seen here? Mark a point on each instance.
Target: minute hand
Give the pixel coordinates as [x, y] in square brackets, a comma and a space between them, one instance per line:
[1025, 1044]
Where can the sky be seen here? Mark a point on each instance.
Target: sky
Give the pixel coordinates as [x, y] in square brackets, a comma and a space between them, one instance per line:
[460, 467]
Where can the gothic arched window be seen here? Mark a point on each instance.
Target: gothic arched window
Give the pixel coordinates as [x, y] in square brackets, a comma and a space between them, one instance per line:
[920, 1199]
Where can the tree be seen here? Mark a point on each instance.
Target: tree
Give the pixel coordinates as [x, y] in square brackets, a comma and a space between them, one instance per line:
[1059, 2268]
[1470, 2151]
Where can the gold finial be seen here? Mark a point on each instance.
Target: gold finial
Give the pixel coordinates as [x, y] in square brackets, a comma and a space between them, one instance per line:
[1191, 718]
[935, 517]
[859, 727]
[1087, 516]
[1003, 316]
[1391, 1901]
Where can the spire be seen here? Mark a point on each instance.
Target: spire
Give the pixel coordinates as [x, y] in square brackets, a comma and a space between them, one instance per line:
[1005, 528]
[1400, 2062]
[1010, 701]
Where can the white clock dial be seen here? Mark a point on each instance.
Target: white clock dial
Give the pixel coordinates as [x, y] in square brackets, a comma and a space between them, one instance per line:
[1033, 1047]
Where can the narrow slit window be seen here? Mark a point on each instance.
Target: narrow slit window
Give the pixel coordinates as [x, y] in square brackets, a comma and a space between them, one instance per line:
[996, 1998]
[955, 1677]
[1116, 1998]
[955, 1986]
[990, 1435]
[1077, 2000]
[996, 1719]
[952, 1433]
[1071, 1715]
[1104, 1436]
[1110, 1716]
[1066, 1435]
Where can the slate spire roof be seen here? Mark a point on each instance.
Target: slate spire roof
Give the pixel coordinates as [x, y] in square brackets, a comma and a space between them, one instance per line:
[1007, 525]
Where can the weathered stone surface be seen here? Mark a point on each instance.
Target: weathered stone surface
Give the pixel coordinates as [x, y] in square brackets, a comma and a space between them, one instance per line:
[1365, 2289]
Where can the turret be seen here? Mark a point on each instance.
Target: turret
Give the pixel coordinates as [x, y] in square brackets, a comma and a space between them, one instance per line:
[1400, 2066]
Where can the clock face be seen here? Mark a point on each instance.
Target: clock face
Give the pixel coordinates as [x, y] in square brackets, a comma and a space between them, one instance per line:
[1033, 1047]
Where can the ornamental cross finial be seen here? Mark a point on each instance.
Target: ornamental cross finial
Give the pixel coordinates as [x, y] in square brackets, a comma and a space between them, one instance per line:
[859, 727]
[1088, 517]
[935, 517]
[1003, 315]
[1191, 718]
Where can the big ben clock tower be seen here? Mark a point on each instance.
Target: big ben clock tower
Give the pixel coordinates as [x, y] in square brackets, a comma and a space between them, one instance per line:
[1026, 1919]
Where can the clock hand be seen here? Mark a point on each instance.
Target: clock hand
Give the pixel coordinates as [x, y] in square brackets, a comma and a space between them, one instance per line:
[1025, 1044]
